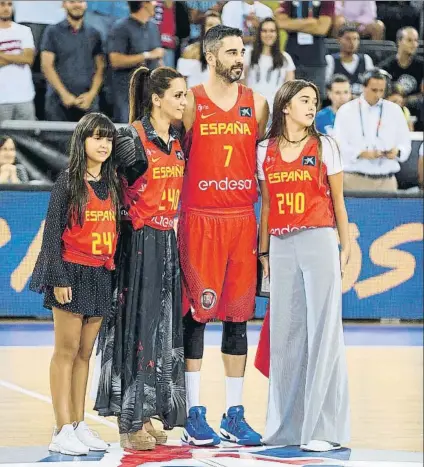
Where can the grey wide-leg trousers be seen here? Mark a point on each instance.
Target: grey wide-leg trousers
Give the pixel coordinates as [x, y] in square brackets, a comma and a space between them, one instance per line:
[308, 390]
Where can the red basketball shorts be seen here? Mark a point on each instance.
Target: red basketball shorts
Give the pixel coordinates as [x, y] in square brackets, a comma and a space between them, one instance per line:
[218, 263]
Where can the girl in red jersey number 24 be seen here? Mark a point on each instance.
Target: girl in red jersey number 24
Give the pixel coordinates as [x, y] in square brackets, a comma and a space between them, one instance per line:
[73, 270]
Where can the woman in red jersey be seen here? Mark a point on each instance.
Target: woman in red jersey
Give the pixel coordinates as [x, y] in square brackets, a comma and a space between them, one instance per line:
[74, 272]
[301, 181]
[142, 371]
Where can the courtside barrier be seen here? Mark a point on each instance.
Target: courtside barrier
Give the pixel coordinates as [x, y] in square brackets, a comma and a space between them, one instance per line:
[383, 280]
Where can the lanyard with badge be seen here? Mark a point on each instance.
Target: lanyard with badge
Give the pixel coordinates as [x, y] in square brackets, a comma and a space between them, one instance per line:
[302, 37]
[377, 132]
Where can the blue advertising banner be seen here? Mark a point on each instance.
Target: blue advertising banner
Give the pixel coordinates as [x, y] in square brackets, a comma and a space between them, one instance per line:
[384, 278]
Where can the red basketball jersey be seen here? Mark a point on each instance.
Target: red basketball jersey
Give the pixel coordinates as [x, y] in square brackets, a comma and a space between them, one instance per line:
[94, 242]
[153, 199]
[221, 167]
[297, 198]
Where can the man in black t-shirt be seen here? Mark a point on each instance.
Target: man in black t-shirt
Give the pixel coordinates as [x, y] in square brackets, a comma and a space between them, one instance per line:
[406, 69]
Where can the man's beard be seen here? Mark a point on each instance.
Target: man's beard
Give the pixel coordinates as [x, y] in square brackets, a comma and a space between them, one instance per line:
[225, 73]
[6, 18]
[76, 17]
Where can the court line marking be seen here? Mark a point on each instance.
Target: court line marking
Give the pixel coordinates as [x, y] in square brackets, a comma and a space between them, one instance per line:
[41, 397]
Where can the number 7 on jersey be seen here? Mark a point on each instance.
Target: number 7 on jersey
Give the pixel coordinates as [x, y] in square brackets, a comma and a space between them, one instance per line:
[229, 150]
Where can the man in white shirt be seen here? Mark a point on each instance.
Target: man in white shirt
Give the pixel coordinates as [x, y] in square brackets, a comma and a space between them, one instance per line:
[348, 62]
[373, 137]
[245, 15]
[16, 58]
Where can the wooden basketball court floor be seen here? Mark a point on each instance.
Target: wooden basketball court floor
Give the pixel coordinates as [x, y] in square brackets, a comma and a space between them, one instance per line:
[385, 366]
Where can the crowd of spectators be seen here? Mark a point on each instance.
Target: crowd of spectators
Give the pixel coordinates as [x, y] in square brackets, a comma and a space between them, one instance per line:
[59, 60]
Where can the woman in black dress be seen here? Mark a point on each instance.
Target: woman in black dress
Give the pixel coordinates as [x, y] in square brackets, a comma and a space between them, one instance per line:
[142, 371]
[73, 270]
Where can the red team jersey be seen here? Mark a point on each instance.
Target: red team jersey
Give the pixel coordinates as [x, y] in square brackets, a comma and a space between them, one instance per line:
[221, 173]
[297, 199]
[154, 198]
[94, 242]
[217, 227]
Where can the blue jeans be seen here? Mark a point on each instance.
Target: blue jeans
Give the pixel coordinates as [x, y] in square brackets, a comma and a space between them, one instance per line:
[169, 58]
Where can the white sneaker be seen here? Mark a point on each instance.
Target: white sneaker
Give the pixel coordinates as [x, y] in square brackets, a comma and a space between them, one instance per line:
[66, 442]
[320, 446]
[90, 438]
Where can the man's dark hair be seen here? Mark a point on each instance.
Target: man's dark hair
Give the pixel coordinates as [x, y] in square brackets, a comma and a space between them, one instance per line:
[213, 38]
[400, 32]
[348, 28]
[135, 6]
[337, 78]
[375, 73]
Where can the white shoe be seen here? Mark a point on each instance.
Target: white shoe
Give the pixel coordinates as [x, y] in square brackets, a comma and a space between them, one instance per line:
[320, 446]
[66, 442]
[90, 438]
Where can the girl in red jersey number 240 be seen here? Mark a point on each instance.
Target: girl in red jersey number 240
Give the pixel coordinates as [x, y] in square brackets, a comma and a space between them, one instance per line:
[301, 178]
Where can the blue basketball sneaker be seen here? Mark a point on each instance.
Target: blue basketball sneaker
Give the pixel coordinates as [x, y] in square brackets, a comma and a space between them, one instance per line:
[235, 429]
[197, 432]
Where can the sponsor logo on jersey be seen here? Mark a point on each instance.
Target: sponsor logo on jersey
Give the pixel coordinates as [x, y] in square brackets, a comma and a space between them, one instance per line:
[180, 155]
[225, 184]
[203, 116]
[208, 299]
[288, 229]
[223, 128]
[309, 160]
[292, 176]
[163, 221]
[245, 111]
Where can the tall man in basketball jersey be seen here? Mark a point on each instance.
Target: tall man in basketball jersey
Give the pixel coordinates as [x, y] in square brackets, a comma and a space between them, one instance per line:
[217, 229]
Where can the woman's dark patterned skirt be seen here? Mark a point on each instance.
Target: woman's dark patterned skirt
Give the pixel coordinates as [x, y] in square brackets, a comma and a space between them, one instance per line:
[142, 372]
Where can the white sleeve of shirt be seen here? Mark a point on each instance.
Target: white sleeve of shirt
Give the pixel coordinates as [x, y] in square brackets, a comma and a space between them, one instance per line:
[369, 65]
[329, 71]
[260, 158]
[27, 38]
[185, 66]
[290, 63]
[350, 147]
[248, 56]
[331, 155]
[402, 132]
[232, 15]
[263, 11]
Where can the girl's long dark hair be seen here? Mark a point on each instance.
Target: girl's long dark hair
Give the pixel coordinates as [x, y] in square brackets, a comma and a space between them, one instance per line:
[90, 124]
[278, 59]
[277, 130]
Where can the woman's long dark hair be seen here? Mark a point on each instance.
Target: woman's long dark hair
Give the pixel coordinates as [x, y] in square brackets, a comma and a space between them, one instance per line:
[277, 130]
[3, 139]
[278, 59]
[143, 84]
[90, 124]
[208, 14]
